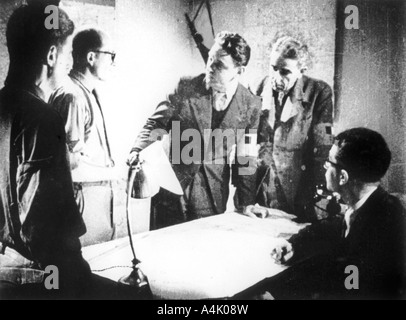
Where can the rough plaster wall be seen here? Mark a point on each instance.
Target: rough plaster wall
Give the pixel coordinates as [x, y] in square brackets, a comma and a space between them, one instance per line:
[372, 79]
[259, 21]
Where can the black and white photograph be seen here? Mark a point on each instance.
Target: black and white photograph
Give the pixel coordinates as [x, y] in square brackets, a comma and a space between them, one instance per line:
[202, 150]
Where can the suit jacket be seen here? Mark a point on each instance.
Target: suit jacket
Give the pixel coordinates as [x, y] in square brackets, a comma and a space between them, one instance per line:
[376, 245]
[293, 150]
[190, 107]
[38, 213]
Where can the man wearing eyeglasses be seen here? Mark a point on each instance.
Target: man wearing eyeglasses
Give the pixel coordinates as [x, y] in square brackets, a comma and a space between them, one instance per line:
[90, 156]
[369, 238]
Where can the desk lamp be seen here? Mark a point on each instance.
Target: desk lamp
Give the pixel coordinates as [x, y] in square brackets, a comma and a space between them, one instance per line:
[138, 188]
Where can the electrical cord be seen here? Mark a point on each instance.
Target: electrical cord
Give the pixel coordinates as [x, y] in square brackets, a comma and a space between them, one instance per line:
[111, 268]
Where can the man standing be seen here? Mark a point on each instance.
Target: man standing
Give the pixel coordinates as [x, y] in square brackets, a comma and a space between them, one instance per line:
[295, 131]
[357, 255]
[40, 225]
[90, 156]
[210, 105]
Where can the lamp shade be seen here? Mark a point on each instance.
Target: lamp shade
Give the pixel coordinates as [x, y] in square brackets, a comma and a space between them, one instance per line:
[153, 173]
[144, 186]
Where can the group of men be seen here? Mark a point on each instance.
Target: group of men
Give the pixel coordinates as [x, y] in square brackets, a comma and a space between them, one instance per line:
[56, 162]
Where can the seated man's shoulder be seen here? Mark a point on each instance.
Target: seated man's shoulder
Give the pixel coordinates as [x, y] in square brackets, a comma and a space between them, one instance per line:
[393, 205]
[386, 209]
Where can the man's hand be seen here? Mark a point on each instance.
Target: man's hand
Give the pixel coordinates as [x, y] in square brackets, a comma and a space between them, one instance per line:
[282, 252]
[133, 159]
[256, 212]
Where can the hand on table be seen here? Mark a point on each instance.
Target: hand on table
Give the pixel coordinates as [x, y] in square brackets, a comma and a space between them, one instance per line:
[258, 212]
[282, 252]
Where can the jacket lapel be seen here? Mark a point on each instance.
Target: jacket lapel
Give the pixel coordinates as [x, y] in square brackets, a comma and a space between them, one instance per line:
[269, 104]
[236, 110]
[294, 104]
[202, 111]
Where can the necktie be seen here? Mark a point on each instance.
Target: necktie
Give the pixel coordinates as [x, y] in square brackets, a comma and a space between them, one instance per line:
[95, 94]
[280, 98]
[220, 100]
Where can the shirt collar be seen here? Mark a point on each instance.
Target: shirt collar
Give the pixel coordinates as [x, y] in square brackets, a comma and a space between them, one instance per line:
[231, 89]
[85, 81]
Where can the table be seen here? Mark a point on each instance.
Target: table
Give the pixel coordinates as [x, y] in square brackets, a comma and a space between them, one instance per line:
[211, 258]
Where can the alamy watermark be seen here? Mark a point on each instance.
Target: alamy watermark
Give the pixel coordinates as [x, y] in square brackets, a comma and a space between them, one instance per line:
[352, 281]
[212, 147]
[52, 21]
[51, 281]
[352, 20]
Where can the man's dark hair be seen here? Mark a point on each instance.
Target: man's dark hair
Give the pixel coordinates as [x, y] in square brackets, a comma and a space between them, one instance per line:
[236, 47]
[85, 42]
[29, 40]
[364, 154]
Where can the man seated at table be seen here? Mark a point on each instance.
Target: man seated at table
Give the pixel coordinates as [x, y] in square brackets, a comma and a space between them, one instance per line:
[357, 255]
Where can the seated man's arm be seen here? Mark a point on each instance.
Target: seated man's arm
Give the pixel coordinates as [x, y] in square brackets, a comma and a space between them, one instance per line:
[319, 238]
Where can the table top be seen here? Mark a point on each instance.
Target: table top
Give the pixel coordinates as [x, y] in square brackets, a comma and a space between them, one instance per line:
[210, 258]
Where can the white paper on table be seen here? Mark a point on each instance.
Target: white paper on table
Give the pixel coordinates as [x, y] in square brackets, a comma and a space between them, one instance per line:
[216, 257]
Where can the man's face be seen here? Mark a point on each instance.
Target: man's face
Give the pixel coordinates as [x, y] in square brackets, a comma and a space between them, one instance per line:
[220, 69]
[333, 171]
[104, 61]
[284, 72]
[63, 64]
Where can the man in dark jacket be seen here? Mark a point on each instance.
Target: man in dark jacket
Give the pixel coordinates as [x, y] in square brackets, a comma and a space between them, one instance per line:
[40, 225]
[200, 115]
[360, 254]
[295, 131]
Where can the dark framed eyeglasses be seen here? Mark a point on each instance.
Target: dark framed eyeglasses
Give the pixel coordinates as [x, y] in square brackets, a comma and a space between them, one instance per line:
[328, 164]
[112, 54]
